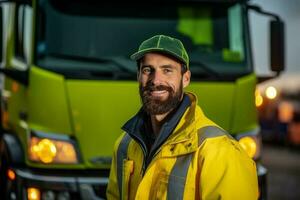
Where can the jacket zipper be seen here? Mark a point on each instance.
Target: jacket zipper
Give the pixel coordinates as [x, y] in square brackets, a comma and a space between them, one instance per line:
[145, 152]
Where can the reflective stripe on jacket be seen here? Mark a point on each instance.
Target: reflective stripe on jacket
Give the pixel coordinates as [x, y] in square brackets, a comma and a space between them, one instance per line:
[198, 161]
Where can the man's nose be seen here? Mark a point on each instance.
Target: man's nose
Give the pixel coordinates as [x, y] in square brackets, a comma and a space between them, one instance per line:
[157, 78]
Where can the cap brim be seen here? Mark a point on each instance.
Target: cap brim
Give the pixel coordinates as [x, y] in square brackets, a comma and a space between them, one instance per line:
[138, 55]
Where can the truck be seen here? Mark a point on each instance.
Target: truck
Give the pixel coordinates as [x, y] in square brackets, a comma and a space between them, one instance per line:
[68, 84]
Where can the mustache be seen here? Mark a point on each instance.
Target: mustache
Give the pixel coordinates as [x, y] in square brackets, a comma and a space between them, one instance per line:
[151, 88]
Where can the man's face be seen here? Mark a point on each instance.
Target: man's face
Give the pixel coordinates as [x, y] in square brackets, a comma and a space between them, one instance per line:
[161, 83]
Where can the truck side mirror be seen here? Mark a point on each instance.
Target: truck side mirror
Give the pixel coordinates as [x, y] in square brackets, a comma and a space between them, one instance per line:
[277, 45]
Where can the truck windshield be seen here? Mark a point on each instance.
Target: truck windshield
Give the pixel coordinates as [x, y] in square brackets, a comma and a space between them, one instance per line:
[94, 39]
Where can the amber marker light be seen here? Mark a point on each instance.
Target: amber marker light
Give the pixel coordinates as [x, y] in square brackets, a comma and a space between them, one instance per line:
[33, 194]
[11, 174]
[15, 86]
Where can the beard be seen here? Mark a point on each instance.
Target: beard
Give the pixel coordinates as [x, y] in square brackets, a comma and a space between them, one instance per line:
[155, 105]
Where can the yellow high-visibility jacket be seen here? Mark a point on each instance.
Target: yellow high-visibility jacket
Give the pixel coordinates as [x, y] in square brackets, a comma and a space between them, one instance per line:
[198, 160]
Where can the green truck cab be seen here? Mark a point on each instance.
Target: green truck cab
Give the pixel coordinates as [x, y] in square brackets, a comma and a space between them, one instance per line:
[68, 84]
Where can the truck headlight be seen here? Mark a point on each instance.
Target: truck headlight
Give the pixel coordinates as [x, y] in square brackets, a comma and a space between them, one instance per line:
[46, 148]
[251, 143]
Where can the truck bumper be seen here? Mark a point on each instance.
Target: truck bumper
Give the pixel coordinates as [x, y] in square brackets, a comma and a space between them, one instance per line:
[63, 187]
[262, 181]
[66, 187]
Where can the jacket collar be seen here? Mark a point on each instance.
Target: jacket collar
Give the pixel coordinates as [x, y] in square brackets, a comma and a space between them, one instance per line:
[135, 127]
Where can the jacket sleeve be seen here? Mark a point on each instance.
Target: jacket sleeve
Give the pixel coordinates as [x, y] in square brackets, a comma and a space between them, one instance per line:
[227, 173]
[112, 192]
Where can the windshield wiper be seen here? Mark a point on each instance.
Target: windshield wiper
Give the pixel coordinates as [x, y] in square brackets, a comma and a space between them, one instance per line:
[205, 68]
[125, 67]
[107, 67]
[121, 62]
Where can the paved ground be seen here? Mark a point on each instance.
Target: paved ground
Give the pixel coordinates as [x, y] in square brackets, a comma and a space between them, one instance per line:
[284, 172]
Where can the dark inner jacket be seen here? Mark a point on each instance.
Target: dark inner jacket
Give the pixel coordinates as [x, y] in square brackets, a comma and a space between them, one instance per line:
[140, 129]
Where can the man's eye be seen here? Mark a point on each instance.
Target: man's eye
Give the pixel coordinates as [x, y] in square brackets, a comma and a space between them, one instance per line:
[167, 70]
[146, 70]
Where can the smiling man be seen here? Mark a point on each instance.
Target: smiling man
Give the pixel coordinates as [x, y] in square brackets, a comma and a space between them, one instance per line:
[170, 149]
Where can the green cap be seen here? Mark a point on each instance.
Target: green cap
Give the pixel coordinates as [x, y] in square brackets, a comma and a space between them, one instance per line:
[164, 44]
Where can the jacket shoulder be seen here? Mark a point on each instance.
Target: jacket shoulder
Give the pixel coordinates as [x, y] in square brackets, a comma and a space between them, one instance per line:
[222, 156]
[211, 132]
[215, 139]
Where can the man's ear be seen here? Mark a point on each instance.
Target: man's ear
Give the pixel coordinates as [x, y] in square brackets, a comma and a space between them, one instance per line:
[186, 78]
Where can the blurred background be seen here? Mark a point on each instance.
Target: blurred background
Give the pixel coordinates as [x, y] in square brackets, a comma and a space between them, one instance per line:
[278, 101]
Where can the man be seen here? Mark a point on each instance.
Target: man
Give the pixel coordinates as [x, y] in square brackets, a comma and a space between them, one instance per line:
[169, 149]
